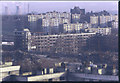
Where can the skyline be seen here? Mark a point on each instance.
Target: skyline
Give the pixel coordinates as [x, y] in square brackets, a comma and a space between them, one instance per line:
[43, 6]
[64, 41]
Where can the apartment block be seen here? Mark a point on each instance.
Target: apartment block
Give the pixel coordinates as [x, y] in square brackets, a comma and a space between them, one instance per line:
[22, 40]
[102, 31]
[64, 43]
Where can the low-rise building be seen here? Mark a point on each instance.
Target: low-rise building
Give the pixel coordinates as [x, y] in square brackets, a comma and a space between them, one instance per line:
[7, 69]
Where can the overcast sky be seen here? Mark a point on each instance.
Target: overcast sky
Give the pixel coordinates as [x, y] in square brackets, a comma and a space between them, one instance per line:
[45, 6]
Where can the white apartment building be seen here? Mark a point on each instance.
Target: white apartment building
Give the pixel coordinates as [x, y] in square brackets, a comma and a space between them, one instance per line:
[94, 19]
[103, 31]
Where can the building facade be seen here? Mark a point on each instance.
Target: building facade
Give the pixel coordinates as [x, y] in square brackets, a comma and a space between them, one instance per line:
[22, 40]
[72, 27]
[64, 43]
[7, 69]
[75, 27]
[94, 21]
[76, 14]
[102, 31]
[49, 23]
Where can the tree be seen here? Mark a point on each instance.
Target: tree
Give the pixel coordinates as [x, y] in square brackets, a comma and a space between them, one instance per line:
[102, 43]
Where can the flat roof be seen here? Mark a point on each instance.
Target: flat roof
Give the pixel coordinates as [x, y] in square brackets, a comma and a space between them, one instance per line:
[10, 68]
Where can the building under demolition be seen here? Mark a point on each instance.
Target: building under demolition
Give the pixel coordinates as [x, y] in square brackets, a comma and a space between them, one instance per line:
[61, 44]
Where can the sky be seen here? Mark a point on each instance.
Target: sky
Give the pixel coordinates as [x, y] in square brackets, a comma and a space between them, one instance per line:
[60, 6]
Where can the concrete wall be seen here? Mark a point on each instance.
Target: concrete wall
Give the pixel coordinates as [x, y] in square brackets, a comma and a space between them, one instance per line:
[10, 70]
[45, 77]
[82, 77]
